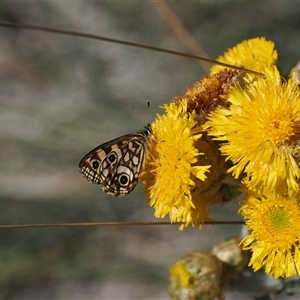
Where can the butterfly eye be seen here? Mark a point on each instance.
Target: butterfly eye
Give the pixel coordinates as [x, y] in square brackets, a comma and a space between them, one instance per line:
[123, 179]
[95, 165]
[112, 158]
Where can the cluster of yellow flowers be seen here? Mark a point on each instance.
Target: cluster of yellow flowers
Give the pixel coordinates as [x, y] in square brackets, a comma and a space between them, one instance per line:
[234, 132]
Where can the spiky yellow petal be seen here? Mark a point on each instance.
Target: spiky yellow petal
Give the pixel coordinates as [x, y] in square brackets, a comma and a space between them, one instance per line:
[261, 133]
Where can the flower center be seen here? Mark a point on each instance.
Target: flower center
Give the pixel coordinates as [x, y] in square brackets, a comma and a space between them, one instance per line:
[277, 220]
[279, 127]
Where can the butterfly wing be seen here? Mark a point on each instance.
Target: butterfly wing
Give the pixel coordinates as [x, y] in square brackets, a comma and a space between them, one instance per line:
[116, 165]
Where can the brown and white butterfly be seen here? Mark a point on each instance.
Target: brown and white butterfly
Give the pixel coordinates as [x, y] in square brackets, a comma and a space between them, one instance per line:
[117, 165]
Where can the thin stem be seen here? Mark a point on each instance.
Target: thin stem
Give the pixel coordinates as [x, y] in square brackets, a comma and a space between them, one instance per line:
[121, 42]
[97, 224]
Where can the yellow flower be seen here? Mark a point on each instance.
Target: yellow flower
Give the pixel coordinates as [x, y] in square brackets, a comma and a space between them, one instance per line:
[274, 240]
[261, 133]
[254, 54]
[171, 168]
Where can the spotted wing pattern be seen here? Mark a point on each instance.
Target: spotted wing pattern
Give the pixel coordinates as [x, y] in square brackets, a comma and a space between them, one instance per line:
[117, 165]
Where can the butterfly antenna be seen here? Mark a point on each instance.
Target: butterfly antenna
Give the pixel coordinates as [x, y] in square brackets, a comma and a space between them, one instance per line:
[133, 108]
[137, 114]
[148, 110]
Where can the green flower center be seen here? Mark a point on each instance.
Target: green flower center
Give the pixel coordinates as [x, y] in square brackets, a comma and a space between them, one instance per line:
[278, 220]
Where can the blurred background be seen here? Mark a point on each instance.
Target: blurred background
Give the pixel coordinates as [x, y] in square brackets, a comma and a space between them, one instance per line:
[60, 97]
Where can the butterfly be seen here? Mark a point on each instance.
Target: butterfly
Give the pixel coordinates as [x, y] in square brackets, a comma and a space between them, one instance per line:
[117, 165]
